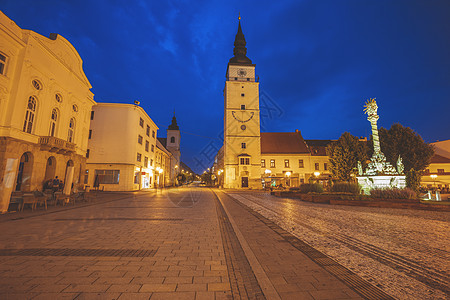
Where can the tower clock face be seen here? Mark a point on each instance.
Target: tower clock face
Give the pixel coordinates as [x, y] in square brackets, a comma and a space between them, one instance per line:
[242, 72]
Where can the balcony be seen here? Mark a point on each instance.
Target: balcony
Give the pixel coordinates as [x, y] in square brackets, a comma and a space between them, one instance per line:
[54, 144]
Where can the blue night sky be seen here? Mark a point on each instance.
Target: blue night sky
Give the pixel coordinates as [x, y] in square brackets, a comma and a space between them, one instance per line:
[318, 61]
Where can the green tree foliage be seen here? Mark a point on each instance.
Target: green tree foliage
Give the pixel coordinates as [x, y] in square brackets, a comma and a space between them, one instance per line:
[403, 141]
[413, 178]
[344, 155]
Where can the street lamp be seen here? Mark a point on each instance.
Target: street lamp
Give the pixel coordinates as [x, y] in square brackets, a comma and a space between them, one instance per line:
[434, 176]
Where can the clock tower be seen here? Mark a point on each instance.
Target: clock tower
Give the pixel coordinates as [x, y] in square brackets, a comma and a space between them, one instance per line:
[242, 146]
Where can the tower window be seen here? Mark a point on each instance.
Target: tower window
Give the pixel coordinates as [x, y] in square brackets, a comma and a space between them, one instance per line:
[235, 78]
[242, 95]
[242, 106]
[2, 64]
[243, 145]
[172, 139]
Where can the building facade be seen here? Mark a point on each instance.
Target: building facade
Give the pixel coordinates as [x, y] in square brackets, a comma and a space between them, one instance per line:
[45, 103]
[122, 148]
[241, 149]
[437, 175]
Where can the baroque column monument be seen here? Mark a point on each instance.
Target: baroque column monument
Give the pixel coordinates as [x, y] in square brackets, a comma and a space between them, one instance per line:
[379, 172]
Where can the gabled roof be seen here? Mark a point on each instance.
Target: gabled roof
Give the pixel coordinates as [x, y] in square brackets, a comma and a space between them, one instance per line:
[318, 147]
[163, 141]
[439, 159]
[283, 143]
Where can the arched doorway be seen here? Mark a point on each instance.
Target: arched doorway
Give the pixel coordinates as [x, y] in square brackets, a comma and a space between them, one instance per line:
[50, 169]
[23, 181]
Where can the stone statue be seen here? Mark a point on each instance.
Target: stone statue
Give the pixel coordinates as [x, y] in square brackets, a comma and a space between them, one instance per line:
[360, 170]
[400, 166]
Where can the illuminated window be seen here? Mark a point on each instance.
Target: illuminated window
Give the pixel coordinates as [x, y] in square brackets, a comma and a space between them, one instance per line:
[263, 163]
[272, 163]
[316, 166]
[242, 106]
[245, 160]
[2, 64]
[71, 132]
[148, 131]
[139, 157]
[141, 122]
[108, 176]
[243, 145]
[53, 121]
[146, 145]
[300, 163]
[29, 116]
[286, 163]
[140, 139]
[37, 84]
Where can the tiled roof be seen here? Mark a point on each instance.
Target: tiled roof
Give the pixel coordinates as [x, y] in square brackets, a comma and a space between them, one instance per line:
[283, 143]
[318, 147]
[438, 159]
[163, 141]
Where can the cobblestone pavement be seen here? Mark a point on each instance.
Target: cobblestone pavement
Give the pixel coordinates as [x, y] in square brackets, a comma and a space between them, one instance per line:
[403, 252]
[187, 243]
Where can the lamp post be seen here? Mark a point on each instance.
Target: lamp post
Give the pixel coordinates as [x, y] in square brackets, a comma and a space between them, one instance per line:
[288, 174]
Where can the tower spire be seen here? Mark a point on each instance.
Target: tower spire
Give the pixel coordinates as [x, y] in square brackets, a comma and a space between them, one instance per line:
[240, 51]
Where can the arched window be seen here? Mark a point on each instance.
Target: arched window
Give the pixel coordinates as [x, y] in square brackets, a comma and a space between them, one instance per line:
[53, 122]
[71, 133]
[29, 116]
[172, 139]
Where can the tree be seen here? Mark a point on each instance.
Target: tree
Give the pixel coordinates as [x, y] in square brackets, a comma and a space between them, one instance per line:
[344, 155]
[415, 153]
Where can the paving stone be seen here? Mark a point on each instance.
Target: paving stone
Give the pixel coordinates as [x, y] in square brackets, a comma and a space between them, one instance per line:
[155, 287]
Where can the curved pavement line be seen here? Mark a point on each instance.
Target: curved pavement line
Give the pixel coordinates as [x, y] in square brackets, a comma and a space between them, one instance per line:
[264, 282]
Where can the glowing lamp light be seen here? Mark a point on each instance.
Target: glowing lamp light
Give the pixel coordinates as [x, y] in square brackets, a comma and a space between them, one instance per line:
[160, 171]
[434, 176]
[267, 171]
[288, 174]
[316, 174]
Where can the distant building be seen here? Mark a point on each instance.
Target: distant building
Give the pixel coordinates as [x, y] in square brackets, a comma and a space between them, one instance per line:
[438, 172]
[122, 148]
[45, 103]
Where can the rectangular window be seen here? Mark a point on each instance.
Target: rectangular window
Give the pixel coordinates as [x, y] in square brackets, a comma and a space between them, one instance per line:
[286, 163]
[151, 162]
[146, 161]
[440, 171]
[325, 166]
[243, 145]
[146, 145]
[86, 176]
[140, 139]
[300, 163]
[148, 131]
[263, 163]
[272, 163]
[141, 122]
[90, 133]
[153, 148]
[242, 106]
[153, 134]
[139, 157]
[2, 64]
[316, 166]
[243, 95]
[87, 153]
[92, 115]
[427, 171]
[245, 161]
[108, 176]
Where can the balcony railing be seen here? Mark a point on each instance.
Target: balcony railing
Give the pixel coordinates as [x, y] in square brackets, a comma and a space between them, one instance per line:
[54, 144]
